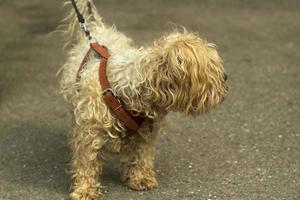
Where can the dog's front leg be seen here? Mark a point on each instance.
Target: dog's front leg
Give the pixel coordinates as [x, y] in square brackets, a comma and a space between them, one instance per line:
[137, 157]
[86, 163]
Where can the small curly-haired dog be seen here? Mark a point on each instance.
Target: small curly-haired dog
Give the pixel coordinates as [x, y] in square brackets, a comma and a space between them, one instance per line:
[179, 72]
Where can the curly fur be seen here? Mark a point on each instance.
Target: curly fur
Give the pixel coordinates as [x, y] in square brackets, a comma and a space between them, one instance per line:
[180, 72]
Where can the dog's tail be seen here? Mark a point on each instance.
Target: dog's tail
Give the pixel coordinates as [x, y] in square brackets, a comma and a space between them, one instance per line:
[71, 28]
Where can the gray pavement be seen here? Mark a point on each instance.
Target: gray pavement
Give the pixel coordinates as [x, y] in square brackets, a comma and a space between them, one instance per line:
[246, 149]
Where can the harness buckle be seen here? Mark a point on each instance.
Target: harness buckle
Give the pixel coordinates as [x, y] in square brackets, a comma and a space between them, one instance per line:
[109, 90]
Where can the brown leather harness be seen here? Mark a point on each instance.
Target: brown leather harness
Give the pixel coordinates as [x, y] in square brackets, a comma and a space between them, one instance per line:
[131, 122]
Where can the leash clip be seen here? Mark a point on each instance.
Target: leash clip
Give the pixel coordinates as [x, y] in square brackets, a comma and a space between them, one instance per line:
[86, 30]
[81, 20]
[84, 27]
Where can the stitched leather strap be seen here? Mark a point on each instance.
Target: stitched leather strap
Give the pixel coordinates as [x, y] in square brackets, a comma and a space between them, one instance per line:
[82, 64]
[131, 122]
[120, 112]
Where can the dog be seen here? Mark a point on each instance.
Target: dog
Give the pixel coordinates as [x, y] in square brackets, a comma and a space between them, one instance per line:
[180, 72]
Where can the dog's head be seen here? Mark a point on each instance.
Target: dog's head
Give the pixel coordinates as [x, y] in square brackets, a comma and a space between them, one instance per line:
[187, 74]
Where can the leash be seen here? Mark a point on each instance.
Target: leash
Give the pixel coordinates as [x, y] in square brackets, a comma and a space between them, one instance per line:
[131, 122]
[81, 21]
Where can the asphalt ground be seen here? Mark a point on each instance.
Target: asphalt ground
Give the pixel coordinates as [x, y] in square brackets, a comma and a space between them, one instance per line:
[246, 149]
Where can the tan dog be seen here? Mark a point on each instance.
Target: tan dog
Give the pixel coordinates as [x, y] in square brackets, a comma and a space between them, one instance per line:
[180, 72]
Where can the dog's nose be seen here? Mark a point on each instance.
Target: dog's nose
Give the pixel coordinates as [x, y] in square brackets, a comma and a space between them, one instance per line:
[225, 76]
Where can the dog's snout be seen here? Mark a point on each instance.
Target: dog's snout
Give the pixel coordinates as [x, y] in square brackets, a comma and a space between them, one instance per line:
[225, 76]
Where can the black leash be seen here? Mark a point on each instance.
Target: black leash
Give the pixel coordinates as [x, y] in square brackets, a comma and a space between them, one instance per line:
[81, 20]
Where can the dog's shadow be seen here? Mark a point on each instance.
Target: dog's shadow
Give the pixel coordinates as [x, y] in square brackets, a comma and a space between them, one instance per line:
[38, 156]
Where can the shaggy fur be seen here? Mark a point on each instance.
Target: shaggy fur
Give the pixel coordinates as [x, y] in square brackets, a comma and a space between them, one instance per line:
[180, 72]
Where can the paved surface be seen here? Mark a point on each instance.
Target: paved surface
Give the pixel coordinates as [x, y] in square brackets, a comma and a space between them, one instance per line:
[248, 148]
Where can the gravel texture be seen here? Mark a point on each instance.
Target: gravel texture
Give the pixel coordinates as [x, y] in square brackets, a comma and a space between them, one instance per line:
[246, 149]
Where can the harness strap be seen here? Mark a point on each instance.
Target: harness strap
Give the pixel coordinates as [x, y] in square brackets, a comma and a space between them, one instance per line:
[82, 64]
[131, 122]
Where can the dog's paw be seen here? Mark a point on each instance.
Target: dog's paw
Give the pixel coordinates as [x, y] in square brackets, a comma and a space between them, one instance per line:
[90, 195]
[144, 183]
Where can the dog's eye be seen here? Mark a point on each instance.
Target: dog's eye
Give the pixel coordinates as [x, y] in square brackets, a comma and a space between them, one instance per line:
[225, 76]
